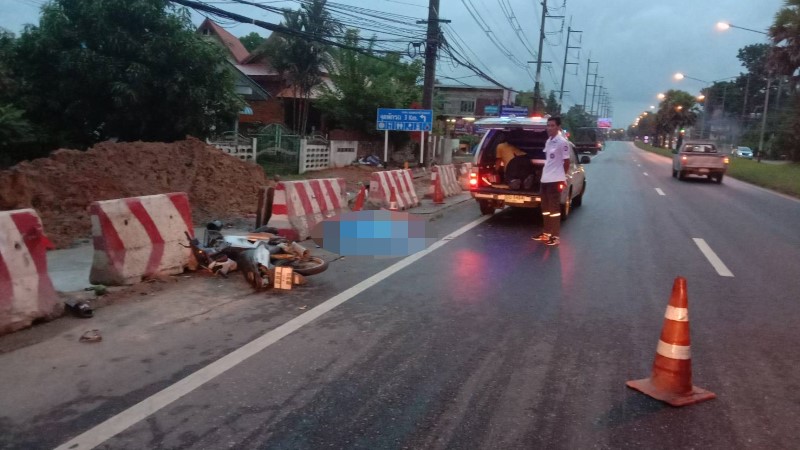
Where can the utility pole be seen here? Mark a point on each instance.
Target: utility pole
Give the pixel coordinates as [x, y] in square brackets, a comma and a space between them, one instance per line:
[564, 69]
[588, 72]
[764, 119]
[594, 88]
[431, 46]
[536, 87]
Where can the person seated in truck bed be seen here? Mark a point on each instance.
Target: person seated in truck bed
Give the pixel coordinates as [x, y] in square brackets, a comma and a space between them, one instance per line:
[517, 167]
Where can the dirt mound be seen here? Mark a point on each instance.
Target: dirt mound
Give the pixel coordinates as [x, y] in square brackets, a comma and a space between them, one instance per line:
[61, 187]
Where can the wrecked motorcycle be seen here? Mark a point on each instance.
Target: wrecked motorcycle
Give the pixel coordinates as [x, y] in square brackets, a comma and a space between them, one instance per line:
[257, 255]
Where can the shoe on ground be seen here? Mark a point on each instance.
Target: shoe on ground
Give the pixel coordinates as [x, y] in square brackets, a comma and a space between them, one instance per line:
[552, 242]
[541, 237]
[527, 184]
[515, 184]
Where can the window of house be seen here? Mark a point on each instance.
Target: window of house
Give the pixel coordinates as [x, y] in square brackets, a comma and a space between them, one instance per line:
[467, 106]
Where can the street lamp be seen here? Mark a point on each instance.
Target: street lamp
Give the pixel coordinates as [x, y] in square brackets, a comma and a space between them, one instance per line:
[661, 96]
[679, 76]
[723, 26]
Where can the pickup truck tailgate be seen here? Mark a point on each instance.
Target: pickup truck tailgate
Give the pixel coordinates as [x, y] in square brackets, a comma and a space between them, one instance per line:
[704, 161]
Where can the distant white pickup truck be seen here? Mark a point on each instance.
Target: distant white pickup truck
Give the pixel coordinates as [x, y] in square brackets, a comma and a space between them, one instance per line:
[699, 158]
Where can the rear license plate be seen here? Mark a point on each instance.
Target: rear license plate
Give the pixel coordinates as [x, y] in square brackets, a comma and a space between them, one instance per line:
[516, 199]
[702, 171]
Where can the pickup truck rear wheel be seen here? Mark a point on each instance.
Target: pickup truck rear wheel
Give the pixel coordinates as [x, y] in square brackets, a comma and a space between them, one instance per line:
[681, 175]
[718, 178]
[486, 207]
[674, 173]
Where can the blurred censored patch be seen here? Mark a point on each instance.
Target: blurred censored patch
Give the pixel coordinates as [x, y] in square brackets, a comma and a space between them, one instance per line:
[373, 233]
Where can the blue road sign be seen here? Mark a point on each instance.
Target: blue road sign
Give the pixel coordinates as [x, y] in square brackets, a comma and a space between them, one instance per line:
[519, 111]
[404, 119]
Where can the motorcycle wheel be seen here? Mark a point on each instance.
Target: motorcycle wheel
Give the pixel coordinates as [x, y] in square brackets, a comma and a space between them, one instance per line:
[311, 266]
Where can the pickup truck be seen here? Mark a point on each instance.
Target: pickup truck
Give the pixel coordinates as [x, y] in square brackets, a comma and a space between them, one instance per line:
[587, 140]
[699, 158]
[529, 134]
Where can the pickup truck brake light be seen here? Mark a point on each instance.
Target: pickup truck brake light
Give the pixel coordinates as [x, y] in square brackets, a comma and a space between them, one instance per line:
[560, 187]
[684, 158]
[473, 178]
[726, 160]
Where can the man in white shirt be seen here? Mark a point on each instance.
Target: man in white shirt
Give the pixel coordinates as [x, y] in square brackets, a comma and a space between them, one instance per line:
[556, 167]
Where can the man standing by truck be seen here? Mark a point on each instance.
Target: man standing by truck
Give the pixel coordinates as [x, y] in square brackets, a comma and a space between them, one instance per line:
[556, 166]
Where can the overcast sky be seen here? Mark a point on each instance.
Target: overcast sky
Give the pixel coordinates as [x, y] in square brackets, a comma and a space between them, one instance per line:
[639, 44]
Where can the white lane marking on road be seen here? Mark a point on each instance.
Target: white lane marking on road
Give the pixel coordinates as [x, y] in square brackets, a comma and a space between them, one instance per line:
[712, 257]
[639, 165]
[645, 174]
[140, 411]
[660, 192]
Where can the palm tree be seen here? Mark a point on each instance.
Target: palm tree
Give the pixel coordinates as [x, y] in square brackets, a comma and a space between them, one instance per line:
[785, 35]
[300, 59]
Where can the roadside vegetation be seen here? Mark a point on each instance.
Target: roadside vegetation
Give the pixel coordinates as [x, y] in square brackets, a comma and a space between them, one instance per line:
[782, 177]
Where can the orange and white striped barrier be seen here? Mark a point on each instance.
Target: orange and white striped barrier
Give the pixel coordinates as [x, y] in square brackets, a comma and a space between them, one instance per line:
[400, 181]
[447, 176]
[671, 380]
[26, 290]
[138, 237]
[298, 206]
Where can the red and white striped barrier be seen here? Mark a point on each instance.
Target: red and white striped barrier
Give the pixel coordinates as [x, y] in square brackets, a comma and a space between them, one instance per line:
[383, 183]
[299, 205]
[464, 171]
[449, 179]
[26, 290]
[138, 237]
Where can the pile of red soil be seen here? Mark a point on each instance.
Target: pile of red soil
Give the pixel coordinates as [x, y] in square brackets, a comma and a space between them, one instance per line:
[61, 187]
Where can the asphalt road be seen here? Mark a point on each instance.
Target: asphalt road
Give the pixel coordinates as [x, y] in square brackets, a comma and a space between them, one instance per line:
[489, 340]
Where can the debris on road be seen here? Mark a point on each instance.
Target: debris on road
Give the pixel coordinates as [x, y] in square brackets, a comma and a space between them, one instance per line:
[91, 336]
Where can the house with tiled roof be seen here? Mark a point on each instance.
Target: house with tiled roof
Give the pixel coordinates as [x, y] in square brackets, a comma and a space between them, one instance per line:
[257, 69]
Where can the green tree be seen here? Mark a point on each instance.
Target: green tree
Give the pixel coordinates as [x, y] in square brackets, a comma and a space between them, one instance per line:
[299, 59]
[364, 82]
[130, 69]
[576, 117]
[16, 132]
[251, 41]
[524, 98]
[784, 60]
[551, 105]
[677, 110]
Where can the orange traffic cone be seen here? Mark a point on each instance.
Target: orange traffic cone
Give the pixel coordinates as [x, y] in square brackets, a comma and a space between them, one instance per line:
[393, 200]
[671, 380]
[438, 194]
[362, 194]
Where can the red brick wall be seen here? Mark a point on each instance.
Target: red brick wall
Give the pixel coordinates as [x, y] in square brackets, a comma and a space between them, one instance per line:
[264, 111]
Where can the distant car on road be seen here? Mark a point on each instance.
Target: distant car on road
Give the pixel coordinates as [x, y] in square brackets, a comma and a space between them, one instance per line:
[743, 152]
[699, 158]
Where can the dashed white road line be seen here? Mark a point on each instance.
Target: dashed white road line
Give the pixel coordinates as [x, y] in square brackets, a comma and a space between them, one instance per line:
[645, 174]
[712, 257]
[660, 192]
[140, 411]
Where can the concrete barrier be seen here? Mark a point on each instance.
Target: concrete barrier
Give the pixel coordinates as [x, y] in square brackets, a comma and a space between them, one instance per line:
[449, 177]
[297, 206]
[139, 236]
[26, 290]
[400, 181]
